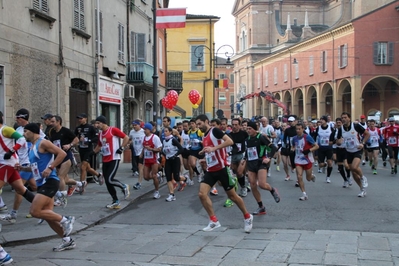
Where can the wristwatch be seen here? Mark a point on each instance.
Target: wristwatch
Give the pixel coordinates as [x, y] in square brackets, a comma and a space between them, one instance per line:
[50, 167]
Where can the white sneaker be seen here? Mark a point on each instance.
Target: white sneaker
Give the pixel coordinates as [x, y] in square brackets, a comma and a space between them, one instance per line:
[157, 195]
[346, 184]
[319, 171]
[243, 192]
[313, 178]
[248, 224]
[350, 181]
[211, 226]
[269, 174]
[364, 182]
[328, 180]
[287, 178]
[324, 169]
[362, 193]
[304, 197]
[170, 198]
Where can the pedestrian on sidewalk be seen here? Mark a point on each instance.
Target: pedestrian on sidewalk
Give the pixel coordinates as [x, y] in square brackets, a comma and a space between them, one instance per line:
[108, 144]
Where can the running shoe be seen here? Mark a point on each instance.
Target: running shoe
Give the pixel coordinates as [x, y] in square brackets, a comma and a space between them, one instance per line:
[28, 215]
[392, 171]
[101, 179]
[65, 245]
[363, 162]
[211, 226]
[228, 203]
[319, 171]
[40, 221]
[316, 164]
[275, 194]
[68, 225]
[137, 186]
[362, 193]
[3, 208]
[364, 182]
[61, 202]
[71, 189]
[170, 198]
[182, 186]
[269, 174]
[114, 205]
[260, 211]
[313, 178]
[287, 178]
[296, 184]
[11, 218]
[156, 195]
[374, 171]
[278, 168]
[136, 173]
[350, 183]
[248, 188]
[200, 178]
[328, 180]
[243, 192]
[384, 163]
[346, 184]
[6, 260]
[248, 224]
[126, 191]
[83, 187]
[304, 197]
[214, 191]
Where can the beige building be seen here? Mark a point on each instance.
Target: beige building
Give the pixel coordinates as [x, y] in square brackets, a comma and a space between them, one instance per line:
[265, 28]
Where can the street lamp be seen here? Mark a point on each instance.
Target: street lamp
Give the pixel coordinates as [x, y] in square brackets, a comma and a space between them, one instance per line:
[200, 54]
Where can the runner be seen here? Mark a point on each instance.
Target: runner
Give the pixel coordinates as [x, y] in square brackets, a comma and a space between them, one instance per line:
[325, 138]
[215, 142]
[136, 138]
[373, 145]
[342, 163]
[391, 136]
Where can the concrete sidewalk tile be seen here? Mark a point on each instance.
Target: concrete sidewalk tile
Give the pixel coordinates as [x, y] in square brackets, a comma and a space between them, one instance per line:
[374, 263]
[279, 247]
[340, 259]
[198, 240]
[183, 250]
[273, 257]
[344, 239]
[286, 237]
[378, 255]
[333, 232]
[154, 248]
[231, 262]
[260, 235]
[171, 260]
[388, 235]
[373, 243]
[227, 241]
[311, 245]
[213, 251]
[314, 237]
[342, 248]
[252, 244]
[243, 254]
[302, 256]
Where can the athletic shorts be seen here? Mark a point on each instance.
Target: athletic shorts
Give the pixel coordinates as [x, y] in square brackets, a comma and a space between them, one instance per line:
[256, 165]
[373, 149]
[138, 159]
[185, 153]
[224, 176]
[237, 158]
[196, 154]
[49, 188]
[324, 154]
[84, 155]
[8, 173]
[352, 155]
[305, 166]
[68, 156]
[285, 151]
[341, 154]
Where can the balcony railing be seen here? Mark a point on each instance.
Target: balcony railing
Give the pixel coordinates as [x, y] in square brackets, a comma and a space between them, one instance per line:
[174, 80]
[139, 72]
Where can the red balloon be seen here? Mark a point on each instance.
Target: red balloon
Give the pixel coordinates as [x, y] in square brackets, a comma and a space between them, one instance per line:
[167, 103]
[172, 93]
[173, 99]
[194, 96]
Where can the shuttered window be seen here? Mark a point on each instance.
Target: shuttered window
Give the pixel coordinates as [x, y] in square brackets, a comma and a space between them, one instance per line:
[137, 47]
[285, 73]
[275, 75]
[266, 78]
[121, 43]
[311, 66]
[383, 53]
[343, 56]
[99, 23]
[79, 15]
[323, 61]
[41, 5]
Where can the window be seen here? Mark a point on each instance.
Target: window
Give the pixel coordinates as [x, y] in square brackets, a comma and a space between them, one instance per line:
[285, 73]
[323, 61]
[197, 52]
[266, 78]
[243, 39]
[383, 53]
[222, 75]
[296, 66]
[343, 56]
[137, 47]
[160, 55]
[40, 5]
[275, 75]
[121, 43]
[231, 81]
[311, 66]
[258, 80]
[79, 15]
[99, 23]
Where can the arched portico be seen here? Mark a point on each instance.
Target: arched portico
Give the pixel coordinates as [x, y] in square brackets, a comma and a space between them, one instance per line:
[287, 100]
[343, 97]
[298, 103]
[311, 102]
[326, 100]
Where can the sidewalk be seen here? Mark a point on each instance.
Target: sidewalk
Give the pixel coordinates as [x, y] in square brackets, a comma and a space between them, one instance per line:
[88, 209]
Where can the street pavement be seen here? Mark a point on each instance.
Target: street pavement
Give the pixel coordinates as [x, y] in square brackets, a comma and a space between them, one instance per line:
[333, 227]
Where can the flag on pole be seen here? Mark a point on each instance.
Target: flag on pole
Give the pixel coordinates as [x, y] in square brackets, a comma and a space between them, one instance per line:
[171, 18]
[221, 83]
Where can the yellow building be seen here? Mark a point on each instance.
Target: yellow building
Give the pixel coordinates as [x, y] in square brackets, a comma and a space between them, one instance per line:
[191, 50]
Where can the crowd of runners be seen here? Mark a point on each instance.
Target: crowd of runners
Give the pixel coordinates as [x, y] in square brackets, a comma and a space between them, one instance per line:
[236, 157]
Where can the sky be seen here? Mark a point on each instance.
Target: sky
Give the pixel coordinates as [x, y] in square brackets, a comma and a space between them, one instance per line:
[224, 28]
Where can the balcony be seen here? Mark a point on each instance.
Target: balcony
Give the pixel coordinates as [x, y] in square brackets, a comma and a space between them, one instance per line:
[139, 73]
[174, 81]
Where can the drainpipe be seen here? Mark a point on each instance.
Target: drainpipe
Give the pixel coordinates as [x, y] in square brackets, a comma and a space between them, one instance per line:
[97, 61]
[61, 59]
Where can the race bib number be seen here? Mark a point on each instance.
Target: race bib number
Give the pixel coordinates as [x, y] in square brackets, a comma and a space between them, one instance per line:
[195, 143]
[83, 144]
[211, 159]
[252, 154]
[324, 141]
[105, 150]
[186, 142]
[137, 142]
[35, 171]
[350, 143]
[148, 154]
[57, 143]
[392, 140]
[373, 140]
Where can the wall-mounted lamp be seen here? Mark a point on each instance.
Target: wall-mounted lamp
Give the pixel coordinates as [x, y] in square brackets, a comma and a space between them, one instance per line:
[328, 103]
[295, 62]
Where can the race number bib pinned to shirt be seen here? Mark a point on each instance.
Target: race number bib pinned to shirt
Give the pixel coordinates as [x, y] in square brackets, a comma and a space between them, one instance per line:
[324, 141]
[252, 154]
[57, 143]
[35, 171]
[373, 139]
[105, 150]
[148, 154]
[211, 159]
[392, 140]
[350, 143]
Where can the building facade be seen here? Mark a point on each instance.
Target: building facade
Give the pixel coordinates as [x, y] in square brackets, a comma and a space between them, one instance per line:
[309, 56]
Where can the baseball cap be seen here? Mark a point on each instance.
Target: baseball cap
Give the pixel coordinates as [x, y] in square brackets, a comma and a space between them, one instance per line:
[47, 116]
[136, 122]
[148, 126]
[291, 118]
[391, 119]
[362, 117]
[22, 113]
[82, 115]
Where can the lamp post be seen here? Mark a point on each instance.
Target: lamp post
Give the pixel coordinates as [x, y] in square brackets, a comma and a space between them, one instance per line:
[214, 64]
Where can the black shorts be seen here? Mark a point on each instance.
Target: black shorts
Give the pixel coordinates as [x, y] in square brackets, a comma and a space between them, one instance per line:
[341, 154]
[68, 156]
[393, 152]
[185, 154]
[195, 153]
[227, 181]
[373, 149]
[256, 165]
[352, 155]
[237, 158]
[84, 155]
[324, 154]
[285, 151]
[138, 159]
[49, 188]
